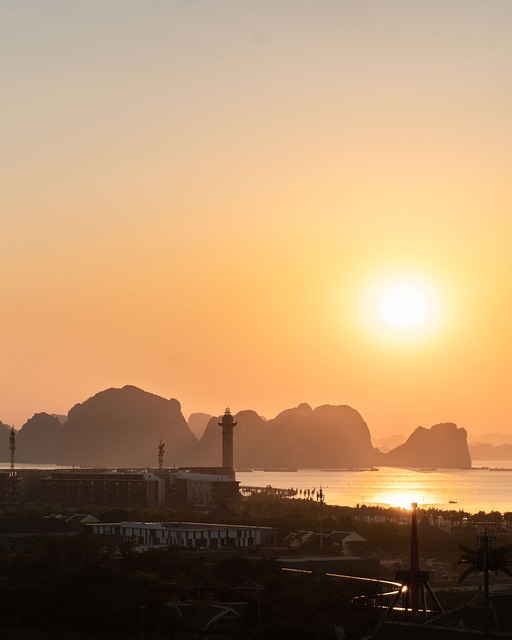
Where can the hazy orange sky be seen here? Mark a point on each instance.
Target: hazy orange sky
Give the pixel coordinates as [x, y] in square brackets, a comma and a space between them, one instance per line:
[205, 200]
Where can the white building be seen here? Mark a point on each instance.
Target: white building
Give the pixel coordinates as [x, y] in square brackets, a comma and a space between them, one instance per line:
[192, 535]
[201, 488]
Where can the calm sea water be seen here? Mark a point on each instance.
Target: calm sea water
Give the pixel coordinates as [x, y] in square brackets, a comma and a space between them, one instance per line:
[477, 489]
[474, 490]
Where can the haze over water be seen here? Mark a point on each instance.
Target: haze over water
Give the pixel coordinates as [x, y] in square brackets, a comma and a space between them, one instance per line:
[469, 490]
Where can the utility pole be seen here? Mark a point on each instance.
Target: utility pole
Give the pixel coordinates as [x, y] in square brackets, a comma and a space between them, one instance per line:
[141, 609]
[415, 564]
[12, 445]
[486, 543]
[320, 497]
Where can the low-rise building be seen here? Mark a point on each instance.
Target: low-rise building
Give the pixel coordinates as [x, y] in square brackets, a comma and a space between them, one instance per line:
[21, 531]
[108, 487]
[11, 488]
[192, 535]
[202, 487]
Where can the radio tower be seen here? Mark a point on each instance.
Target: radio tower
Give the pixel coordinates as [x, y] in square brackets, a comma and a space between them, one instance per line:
[161, 455]
[12, 445]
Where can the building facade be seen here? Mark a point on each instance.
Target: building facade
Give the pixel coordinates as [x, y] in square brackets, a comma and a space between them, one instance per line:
[11, 488]
[109, 488]
[191, 535]
[202, 489]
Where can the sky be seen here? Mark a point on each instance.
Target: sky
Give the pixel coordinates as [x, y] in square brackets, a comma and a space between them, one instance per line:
[258, 204]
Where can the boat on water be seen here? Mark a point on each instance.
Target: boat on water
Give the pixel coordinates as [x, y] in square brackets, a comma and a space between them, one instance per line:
[279, 469]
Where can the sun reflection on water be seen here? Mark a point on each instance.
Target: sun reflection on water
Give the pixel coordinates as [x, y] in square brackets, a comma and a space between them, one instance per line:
[402, 499]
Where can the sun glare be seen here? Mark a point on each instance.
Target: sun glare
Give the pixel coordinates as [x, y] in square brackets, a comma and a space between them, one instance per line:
[401, 500]
[402, 307]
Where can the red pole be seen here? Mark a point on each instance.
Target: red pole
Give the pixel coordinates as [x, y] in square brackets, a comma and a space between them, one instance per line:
[415, 564]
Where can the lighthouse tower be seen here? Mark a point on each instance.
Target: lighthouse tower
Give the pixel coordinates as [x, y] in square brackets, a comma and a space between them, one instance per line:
[227, 423]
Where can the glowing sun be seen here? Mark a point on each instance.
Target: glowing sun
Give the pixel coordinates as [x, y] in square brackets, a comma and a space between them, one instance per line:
[403, 306]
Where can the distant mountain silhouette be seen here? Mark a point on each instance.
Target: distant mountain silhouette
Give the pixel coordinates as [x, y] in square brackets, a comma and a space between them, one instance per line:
[5, 431]
[495, 439]
[443, 445]
[388, 443]
[123, 427]
[38, 440]
[328, 436]
[486, 451]
[198, 422]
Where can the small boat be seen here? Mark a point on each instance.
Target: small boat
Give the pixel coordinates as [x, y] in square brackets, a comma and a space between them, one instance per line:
[452, 501]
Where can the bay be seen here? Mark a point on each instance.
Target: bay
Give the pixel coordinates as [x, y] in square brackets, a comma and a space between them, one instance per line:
[486, 487]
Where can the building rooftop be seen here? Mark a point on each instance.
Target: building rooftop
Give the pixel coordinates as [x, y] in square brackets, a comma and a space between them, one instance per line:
[185, 525]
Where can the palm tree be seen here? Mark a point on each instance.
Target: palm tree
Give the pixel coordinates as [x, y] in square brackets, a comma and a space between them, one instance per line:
[487, 557]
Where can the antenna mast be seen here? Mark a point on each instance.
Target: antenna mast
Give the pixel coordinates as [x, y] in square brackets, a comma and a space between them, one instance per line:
[12, 445]
[161, 447]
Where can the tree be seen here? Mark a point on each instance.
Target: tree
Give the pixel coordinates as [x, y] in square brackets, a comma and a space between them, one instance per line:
[485, 558]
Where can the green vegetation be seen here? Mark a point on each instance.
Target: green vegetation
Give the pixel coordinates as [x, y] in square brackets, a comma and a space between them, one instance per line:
[83, 587]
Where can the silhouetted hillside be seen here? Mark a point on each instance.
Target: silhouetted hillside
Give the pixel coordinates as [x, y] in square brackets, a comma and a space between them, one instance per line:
[486, 451]
[249, 435]
[38, 440]
[443, 445]
[198, 422]
[388, 443]
[327, 436]
[5, 430]
[122, 427]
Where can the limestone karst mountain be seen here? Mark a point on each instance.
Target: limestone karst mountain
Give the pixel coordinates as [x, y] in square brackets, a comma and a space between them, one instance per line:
[38, 440]
[387, 443]
[486, 451]
[328, 436]
[198, 423]
[250, 434]
[443, 445]
[5, 430]
[122, 427]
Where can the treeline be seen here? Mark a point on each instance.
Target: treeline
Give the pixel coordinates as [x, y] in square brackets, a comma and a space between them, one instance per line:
[83, 588]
